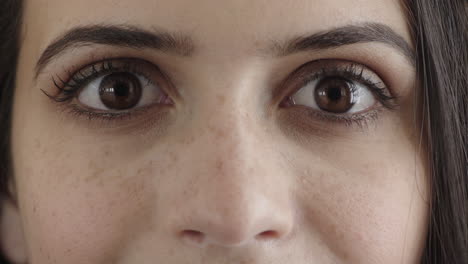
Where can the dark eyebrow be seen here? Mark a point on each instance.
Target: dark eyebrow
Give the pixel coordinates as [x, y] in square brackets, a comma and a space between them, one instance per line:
[182, 45]
[350, 34]
[124, 36]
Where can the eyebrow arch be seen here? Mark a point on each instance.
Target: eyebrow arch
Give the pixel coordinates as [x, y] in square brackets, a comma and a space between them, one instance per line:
[121, 35]
[183, 45]
[346, 35]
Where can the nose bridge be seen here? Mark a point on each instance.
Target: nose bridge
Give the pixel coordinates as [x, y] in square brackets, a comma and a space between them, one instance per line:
[235, 148]
[225, 120]
[230, 151]
[231, 192]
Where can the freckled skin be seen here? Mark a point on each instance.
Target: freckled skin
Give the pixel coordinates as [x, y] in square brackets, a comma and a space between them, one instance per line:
[224, 176]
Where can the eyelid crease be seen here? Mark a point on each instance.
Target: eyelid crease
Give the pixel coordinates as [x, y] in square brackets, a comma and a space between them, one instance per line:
[350, 70]
[135, 37]
[123, 35]
[67, 88]
[347, 35]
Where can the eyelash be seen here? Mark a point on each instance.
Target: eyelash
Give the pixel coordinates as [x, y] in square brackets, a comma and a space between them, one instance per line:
[67, 90]
[354, 72]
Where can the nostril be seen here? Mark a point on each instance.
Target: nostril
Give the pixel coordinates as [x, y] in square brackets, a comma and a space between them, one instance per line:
[267, 235]
[193, 236]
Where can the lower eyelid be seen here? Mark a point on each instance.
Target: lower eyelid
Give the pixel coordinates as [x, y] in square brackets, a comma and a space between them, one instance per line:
[330, 124]
[140, 120]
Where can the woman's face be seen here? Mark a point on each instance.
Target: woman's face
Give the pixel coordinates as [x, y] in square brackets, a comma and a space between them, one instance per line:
[208, 131]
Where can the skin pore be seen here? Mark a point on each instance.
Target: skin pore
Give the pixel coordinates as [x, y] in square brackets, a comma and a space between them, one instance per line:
[226, 161]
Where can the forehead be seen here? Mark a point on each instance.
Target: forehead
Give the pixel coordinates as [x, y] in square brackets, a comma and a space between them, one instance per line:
[228, 24]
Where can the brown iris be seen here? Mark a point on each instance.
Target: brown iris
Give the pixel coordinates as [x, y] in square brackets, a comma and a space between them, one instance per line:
[120, 90]
[334, 94]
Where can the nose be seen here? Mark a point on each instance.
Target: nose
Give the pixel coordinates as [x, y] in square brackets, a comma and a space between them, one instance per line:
[250, 221]
[232, 192]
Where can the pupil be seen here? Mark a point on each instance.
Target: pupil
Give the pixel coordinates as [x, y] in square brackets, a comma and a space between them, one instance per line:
[121, 89]
[334, 93]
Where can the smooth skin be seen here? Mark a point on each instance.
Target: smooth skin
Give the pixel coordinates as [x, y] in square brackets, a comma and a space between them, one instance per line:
[225, 175]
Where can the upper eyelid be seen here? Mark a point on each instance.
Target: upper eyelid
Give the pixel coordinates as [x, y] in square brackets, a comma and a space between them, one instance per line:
[348, 71]
[106, 65]
[106, 62]
[277, 90]
[152, 72]
[91, 71]
[303, 74]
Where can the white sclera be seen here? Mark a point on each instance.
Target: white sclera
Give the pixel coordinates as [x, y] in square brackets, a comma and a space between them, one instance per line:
[362, 96]
[89, 95]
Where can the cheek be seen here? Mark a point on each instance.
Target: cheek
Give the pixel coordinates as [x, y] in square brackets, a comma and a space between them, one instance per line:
[81, 197]
[76, 211]
[368, 213]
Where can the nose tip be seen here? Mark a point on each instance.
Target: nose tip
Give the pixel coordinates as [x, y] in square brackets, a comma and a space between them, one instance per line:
[201, 239]
[258, 221]
[235, 194]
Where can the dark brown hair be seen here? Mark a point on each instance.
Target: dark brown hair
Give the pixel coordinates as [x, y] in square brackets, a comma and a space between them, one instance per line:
[440, 32]
[10, 20]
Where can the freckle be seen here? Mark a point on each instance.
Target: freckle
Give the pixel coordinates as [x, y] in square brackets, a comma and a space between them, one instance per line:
[174, 157]
[219, 133]
[219, 165]
[189, 140]
[91, 164]
[172, 252]
[119, 174]
[221, 98]
[101, 182]
[96, 172]
[112, 203]
[162, 170]
[37, 143]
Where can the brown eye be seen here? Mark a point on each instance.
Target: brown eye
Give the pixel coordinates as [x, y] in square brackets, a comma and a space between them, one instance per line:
[123, 90]
[334, 94]
[120, 91]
